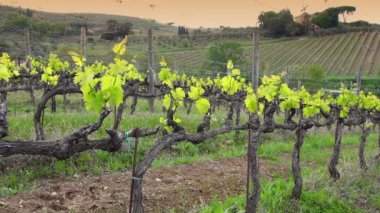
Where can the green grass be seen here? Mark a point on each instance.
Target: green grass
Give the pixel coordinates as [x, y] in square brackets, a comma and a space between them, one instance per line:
[275, 197]
[276, 147]
[354, 192]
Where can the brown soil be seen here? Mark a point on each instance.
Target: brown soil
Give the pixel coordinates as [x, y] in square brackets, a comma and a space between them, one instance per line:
[182, 187]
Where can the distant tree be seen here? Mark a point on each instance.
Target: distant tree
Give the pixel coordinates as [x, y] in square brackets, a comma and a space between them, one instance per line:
[323, 20]
[330, 17]
[295, 29]
[345, 11]
[29, 13]
[182, 31]
[185, 43]
[17, 21]
[359, 23]
[315, 72]
[220, 53]
[279, 24]
[265, 18]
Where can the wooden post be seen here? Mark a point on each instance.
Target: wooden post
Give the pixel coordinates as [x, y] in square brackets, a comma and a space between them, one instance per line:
[358, 82]
[28, 51]
[151, 69]
[256, 62]
[133, 172]
[83, 42]
[27, 42]
[299, 85]
[253, 138]
[175, 63]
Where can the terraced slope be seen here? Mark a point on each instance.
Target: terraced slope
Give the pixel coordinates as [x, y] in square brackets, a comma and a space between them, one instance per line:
[340, 55]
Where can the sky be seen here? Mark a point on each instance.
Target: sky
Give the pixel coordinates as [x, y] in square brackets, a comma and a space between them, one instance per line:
[196, 13]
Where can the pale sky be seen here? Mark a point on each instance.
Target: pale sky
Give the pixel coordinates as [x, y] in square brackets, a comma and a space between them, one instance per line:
[195, 13]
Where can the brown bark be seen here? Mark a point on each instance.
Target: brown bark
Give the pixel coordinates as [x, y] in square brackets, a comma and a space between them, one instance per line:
[63, 149]
[237, 121]
[378, 142]
[53, 105]
[189, 107]
[254, 198]
[363, 139]
[3, 119]
[296, 193]
[75, 143]
[163, 143]
[133, 106]
[334, 173]
[119, 114]
[32, 96]
[38, 126]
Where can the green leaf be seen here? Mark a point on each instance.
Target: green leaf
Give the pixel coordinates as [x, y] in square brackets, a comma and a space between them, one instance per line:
[166, 101]
[230, 85]
[4, 74]
[251, 103]
[165, 74]
[119, 48]
[112, 89]
[77, 58]
[203, 105]
[177, 120]
[94, 101]
[235, 72]
[195, 93]
[178, 94]
[230, 65]
[163, 62]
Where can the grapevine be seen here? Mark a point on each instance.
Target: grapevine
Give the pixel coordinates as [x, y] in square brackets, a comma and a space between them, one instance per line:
[105, 87]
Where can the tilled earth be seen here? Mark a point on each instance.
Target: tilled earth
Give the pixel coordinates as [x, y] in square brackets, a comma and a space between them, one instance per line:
[180, 187]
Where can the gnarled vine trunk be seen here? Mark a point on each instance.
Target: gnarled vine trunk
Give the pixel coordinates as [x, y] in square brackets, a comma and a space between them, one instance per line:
[363, 139]
[296, 193]
[378, 142]
[133, 105]
[38, 125]
[254, 198]
[3, 119]
[143, 166]
[237, 122]
[334, 173]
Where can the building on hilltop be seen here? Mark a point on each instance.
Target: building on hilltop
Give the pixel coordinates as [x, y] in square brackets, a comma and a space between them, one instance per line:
[304, 19]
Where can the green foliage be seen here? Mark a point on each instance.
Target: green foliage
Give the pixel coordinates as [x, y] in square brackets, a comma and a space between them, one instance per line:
[279, 24]
[203, 105]
[324, 20]
[219, 53]
[25, 20]
[330, 17]
[53, 69]
[275, 197]
[7, 67]
[195, 93]
[251, 103]
[184, 43]
[111, 79]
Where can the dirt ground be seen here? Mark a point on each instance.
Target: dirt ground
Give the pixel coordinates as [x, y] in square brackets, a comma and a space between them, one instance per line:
[181, 187]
